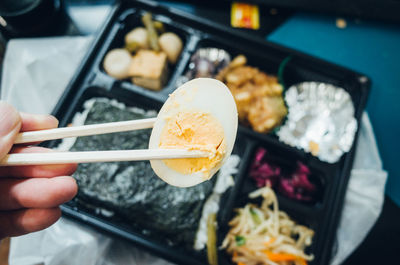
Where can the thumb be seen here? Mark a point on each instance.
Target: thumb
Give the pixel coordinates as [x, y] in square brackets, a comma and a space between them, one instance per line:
[10, 124]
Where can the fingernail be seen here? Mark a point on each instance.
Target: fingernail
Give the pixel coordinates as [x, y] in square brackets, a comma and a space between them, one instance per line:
[49, 120]
[53, 119]
[9, 118]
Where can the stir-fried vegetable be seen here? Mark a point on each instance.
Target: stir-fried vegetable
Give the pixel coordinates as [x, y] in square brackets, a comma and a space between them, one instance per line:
[266, 236]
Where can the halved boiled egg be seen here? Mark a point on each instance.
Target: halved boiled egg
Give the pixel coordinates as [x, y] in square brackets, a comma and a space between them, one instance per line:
[199, 115]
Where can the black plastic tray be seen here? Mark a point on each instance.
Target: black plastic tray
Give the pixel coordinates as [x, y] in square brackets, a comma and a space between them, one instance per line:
[91, 81]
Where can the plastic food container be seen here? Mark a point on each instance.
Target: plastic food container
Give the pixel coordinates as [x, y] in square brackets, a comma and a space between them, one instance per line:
[91, 81]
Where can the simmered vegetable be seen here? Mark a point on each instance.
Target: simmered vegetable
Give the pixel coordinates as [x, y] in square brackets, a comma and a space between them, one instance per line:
[137, 39]
[171, 44]
[117, 63]
[151, 30]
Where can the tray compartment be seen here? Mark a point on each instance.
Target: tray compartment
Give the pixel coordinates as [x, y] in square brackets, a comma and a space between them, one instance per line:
[127, 21]
[311, 219]
[313, 215]
[308, 214]
[287, 162]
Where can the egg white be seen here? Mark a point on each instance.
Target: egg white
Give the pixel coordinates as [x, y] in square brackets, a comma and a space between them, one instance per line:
[204, 95]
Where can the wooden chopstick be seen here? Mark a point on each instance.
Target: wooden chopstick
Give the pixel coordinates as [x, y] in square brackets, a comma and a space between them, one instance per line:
[97, 156]
[85, 130]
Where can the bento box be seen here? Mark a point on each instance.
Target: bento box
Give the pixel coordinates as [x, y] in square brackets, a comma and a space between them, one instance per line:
[112, 197]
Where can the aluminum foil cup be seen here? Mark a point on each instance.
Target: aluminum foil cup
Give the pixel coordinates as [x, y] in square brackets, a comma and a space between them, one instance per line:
[205, 62]
[320, 120]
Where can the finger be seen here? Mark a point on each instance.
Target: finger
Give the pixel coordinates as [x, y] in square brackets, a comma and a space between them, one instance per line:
[34, 122]
[10, 124]
[39, 171]
[36, 192]
[20, 222]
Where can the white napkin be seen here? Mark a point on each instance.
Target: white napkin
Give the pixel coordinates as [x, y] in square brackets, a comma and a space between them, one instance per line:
[36, 71]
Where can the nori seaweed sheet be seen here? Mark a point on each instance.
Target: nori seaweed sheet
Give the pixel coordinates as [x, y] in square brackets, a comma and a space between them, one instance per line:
[131, 189]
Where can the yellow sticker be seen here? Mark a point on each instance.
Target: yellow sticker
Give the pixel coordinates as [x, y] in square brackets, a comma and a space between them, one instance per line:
[245, 16]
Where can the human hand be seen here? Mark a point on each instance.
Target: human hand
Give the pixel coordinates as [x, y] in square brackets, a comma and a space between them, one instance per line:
[30, 195]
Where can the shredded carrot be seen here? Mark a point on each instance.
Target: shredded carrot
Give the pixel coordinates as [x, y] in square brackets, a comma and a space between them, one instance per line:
[245, 248]
[280, 256]
[302, 261]
[233, 259]
[276, 257]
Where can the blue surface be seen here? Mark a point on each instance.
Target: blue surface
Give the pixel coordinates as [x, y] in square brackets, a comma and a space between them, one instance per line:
[372, 48]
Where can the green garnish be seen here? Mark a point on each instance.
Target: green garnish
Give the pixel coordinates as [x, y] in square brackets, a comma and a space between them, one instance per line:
[281, 68]
[255, 217]
[240, 240]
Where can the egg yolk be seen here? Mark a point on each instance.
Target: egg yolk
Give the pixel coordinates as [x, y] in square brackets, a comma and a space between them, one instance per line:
[194, 130]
